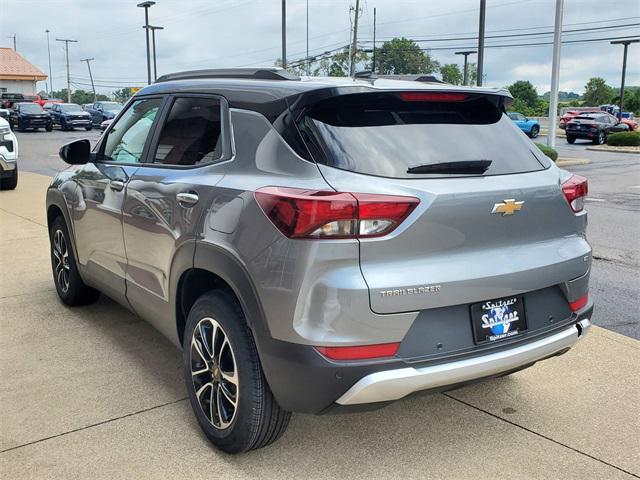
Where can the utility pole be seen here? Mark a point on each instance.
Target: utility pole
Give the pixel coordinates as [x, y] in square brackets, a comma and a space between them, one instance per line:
[66, 44]
[308, 62]
[555, 74]
[284, 34]
[354, 46]
[93, 87]
[153, 42]
[49, 52]
[146, 6]
[373, 60]
[14, 42]
[624, 68]
[465, 75]
[483, 11]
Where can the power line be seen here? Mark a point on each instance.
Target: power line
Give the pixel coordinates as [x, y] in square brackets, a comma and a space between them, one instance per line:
[574, 31]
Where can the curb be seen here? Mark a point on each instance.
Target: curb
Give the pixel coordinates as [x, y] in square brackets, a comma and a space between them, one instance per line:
[558, 135]
[568, 161]
[601, 148]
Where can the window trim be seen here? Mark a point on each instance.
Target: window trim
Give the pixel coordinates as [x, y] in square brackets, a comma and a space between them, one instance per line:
[98, 150]
[225, 129]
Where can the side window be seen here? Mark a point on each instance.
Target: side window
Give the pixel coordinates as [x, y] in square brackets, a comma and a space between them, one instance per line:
[191, 133]
[126, 139]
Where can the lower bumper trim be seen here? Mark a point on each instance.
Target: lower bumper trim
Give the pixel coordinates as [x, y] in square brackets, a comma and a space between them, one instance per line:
[394, 384]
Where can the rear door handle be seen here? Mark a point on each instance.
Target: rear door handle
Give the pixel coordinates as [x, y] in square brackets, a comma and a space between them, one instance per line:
[187, 199]
[116, 185]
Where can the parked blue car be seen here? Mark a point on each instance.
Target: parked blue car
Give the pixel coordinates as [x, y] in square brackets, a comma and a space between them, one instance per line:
[530, 127]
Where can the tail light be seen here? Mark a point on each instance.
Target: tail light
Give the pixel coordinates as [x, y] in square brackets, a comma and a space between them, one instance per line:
[300, 213]
[575, 190]
[579, 303]
[360, 352]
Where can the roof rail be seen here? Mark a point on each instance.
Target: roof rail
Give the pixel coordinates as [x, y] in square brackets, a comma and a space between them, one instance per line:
[249, 73]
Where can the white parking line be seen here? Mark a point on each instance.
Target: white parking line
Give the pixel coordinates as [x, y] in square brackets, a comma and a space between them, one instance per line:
[592, 199]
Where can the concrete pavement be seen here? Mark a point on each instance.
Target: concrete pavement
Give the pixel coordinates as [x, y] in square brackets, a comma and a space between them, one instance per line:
[94, 392]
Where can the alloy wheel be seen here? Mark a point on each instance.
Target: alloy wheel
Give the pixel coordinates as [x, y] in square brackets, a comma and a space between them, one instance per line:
[61, 262]
[214, 373]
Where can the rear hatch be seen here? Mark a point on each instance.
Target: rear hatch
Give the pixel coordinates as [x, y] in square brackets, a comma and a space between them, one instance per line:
[492, 219]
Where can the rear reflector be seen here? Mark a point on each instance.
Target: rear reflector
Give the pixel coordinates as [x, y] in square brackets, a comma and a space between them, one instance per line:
[434, 96]
[575, 191]
[360, 352]
[579, 303]
[321, 214]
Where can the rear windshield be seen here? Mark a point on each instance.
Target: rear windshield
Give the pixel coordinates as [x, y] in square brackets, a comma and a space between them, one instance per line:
[381, 134]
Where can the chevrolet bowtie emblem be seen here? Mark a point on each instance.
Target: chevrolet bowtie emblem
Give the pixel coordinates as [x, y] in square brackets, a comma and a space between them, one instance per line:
[508, 207]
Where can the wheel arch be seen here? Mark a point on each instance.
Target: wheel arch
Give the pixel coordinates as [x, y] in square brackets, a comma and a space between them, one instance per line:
[217, 268]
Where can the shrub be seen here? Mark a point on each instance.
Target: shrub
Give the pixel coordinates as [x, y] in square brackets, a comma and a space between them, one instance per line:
[624, 139]
[548, 151]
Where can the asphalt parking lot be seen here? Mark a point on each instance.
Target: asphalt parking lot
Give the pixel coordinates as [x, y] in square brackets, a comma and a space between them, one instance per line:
[94, 392]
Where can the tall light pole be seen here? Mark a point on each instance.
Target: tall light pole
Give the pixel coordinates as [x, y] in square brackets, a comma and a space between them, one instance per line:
[284, 34]
[153, 29]
[555, 74]
[66, 44]
[483, 10]
[49, 53]
[308, 62]
[465, 75]
[93, 87]
[146, 6]
[626, 43]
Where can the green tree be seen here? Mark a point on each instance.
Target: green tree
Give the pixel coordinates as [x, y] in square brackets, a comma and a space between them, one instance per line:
[525, 93]
[597, 92]
[403, 56]
[451, 74]
[631, 100]
[122, 95]
[78, 96]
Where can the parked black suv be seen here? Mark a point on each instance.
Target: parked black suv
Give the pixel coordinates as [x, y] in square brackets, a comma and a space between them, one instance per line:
[594, 127]
[29, 115]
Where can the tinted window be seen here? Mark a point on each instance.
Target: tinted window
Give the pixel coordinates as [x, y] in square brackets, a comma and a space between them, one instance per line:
[191, 134]
[379, 134]
[125, 141]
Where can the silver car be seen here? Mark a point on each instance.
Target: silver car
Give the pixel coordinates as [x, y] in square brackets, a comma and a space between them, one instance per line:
[324, 243]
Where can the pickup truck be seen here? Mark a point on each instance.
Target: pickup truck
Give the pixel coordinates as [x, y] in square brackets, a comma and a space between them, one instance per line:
[101, 111]
[8, 99]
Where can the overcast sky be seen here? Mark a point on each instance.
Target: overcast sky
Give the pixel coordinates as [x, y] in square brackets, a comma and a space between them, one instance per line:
[226, 33]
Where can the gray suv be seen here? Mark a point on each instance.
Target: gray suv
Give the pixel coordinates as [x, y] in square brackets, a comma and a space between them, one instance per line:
[323, 243]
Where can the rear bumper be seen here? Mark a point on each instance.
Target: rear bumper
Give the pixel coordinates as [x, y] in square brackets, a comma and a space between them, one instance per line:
[582, 134]
[394, 384]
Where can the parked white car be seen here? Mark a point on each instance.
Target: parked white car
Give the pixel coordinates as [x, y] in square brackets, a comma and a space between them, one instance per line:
[8, 157]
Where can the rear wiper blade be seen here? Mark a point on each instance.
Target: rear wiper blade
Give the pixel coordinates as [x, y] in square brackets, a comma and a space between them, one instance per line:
[469, 167]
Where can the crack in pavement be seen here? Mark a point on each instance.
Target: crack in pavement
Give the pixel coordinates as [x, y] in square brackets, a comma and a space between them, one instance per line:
[540, 435]
[93, 425]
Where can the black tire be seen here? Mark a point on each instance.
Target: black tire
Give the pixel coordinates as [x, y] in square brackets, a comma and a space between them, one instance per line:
[535, 130]
[88, 128]
[48, 128]
[75, 292]
[256, 420]
[601, 139]
[11, 182]
[571, 139]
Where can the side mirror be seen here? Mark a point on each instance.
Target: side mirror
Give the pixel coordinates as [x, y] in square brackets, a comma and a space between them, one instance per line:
[76, 153]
